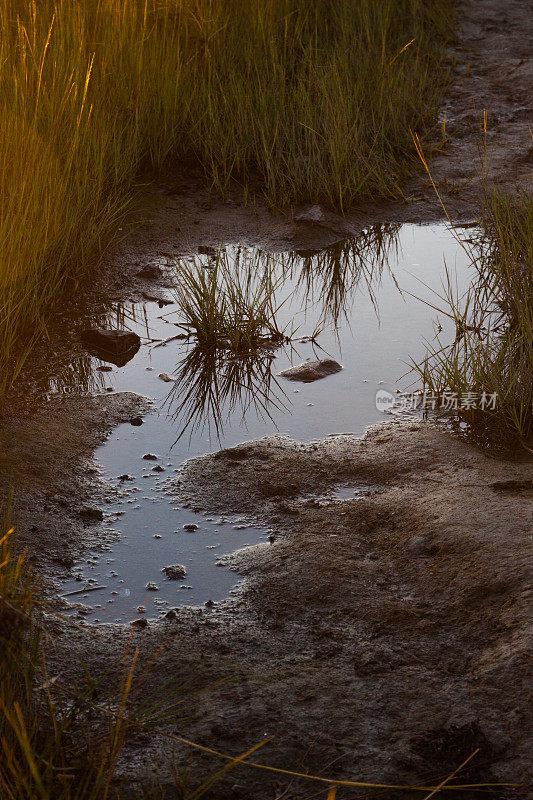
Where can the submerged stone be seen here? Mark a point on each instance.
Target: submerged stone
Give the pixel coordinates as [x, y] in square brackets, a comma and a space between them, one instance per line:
[312, 370]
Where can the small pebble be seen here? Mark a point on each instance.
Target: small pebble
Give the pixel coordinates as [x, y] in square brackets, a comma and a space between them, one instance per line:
[190, 526]
[149, 457]
[136, 421]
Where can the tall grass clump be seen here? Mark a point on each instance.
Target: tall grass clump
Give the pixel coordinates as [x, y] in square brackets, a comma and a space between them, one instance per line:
[312, 97]
[492, 353]
[229, 304]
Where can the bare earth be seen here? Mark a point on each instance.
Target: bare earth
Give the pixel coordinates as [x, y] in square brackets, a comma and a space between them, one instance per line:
[381, 639]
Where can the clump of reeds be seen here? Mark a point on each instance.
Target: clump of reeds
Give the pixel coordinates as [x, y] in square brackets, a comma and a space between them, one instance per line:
[229, 303]
[492, 353]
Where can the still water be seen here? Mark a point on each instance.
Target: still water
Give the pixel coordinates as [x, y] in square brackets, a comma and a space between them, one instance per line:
[359, 293]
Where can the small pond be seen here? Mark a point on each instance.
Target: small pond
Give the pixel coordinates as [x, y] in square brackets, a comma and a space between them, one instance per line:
[361, 292]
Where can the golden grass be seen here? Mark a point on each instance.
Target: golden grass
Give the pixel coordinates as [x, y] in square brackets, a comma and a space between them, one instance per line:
[313, 97]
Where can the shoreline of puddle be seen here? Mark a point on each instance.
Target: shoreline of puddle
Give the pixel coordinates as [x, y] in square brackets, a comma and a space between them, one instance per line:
[380, 325]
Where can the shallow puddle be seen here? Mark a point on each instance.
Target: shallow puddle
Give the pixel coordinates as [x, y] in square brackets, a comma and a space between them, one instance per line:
[361, 289]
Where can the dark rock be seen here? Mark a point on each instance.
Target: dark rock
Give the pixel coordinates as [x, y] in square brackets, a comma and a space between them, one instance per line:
[150, 273]
[152, 587]
[125, 477]
[150, 457]
[91, 514]
[105, 368]
[139, 623]
[136, 421]
[158, 468]
[118, 347]
[175, 572]
[171, 614]
[312, 370]
[209, 604]
[190, 527]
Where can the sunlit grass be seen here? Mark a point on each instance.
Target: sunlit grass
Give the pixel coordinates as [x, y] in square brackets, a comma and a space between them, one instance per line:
[314, 98]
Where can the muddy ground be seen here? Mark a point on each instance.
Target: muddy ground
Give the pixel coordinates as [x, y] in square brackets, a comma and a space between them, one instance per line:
[380, 639]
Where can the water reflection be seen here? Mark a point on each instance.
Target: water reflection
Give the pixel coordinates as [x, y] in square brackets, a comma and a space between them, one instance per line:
[312, 290]
[210, 388]
[331, 277]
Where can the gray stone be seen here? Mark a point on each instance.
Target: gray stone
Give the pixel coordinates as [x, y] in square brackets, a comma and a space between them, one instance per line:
[418, 545]
[150, 273]
[311, 370]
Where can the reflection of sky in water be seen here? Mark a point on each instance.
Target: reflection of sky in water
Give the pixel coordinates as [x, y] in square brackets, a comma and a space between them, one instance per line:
[379, 329]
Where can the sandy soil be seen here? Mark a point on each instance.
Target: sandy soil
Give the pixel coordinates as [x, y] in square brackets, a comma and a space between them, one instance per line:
[377, 639]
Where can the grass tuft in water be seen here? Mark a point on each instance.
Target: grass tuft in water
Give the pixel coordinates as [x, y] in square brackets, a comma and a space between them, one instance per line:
[492, 352]
[228, 303]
